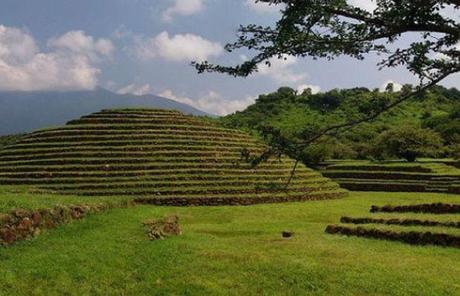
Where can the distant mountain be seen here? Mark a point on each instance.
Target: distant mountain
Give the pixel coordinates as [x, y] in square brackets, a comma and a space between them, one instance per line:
[26, 111]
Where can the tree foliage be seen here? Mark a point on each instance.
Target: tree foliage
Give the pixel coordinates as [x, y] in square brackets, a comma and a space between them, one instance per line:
[409, 142]
[288, 113]
[332, 28]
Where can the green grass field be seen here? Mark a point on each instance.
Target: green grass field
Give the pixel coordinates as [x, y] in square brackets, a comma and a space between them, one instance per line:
[229, 251]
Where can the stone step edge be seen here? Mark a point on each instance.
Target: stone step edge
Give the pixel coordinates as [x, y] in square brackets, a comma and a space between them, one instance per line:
[237, 201]
[22, 224]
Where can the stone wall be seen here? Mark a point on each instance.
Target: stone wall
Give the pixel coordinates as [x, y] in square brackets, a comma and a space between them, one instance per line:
[236, 200]
[23, 224]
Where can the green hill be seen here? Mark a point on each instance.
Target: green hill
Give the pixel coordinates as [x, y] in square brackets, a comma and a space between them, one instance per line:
[157, 156]
[291, 113]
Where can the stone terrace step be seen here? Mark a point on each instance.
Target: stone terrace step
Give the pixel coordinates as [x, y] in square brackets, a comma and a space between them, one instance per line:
[197, 191]
[147, 132]
[117, 143]
[200, 183]
[374, 168]
[103, 179]
[127, 155]
[153, 120]
[240, 200]
[379, 175]
[132, 137]
[153, 172]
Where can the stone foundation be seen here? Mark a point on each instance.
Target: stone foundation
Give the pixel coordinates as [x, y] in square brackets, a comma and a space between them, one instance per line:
[23, 224]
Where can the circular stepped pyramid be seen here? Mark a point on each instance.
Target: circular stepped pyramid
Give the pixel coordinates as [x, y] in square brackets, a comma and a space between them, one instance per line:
[156, 156]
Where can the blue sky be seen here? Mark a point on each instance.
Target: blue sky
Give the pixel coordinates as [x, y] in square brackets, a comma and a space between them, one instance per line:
[145, 46]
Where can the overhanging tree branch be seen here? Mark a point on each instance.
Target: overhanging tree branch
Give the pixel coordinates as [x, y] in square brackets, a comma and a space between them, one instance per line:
[332, 28]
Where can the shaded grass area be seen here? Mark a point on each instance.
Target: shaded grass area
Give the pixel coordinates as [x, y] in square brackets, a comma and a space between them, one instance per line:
[232, 251]
[12, 197]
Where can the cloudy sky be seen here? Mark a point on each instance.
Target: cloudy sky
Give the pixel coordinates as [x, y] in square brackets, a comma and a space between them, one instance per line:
[145, 46]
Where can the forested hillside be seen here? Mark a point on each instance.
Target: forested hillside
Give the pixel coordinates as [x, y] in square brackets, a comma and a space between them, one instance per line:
[426, 126]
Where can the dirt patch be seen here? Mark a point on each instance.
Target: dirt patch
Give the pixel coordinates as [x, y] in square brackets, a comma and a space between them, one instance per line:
[162, 228]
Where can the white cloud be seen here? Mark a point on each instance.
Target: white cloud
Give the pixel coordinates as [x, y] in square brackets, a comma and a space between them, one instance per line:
[444, 57]
[280, 70]
[368, 5]
[180, 47]
[262, 7]
[69, 64]
[212, 102]
[138, 90]
[79, 43]
[314, 88]
[183, 8]
[396, 86]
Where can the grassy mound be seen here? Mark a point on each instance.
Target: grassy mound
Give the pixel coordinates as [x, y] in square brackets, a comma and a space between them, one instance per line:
[160, 156]
[395, 176]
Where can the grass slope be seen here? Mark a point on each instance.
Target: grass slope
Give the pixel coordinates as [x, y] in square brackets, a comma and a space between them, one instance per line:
[233, 251]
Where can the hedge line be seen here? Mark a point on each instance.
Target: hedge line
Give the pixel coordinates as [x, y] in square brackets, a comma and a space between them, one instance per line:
[434, 208]
[412, 237]
[402, 222]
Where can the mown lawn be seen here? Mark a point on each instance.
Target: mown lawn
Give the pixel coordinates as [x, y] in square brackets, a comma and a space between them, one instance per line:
[232, 251]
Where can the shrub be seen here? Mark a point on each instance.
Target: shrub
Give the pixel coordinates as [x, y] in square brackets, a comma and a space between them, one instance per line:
[326, 148]
[408, 142]
[455, 148]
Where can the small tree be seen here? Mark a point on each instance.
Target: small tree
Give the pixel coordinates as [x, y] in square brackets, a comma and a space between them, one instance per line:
[324, 149]
[409, 143]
